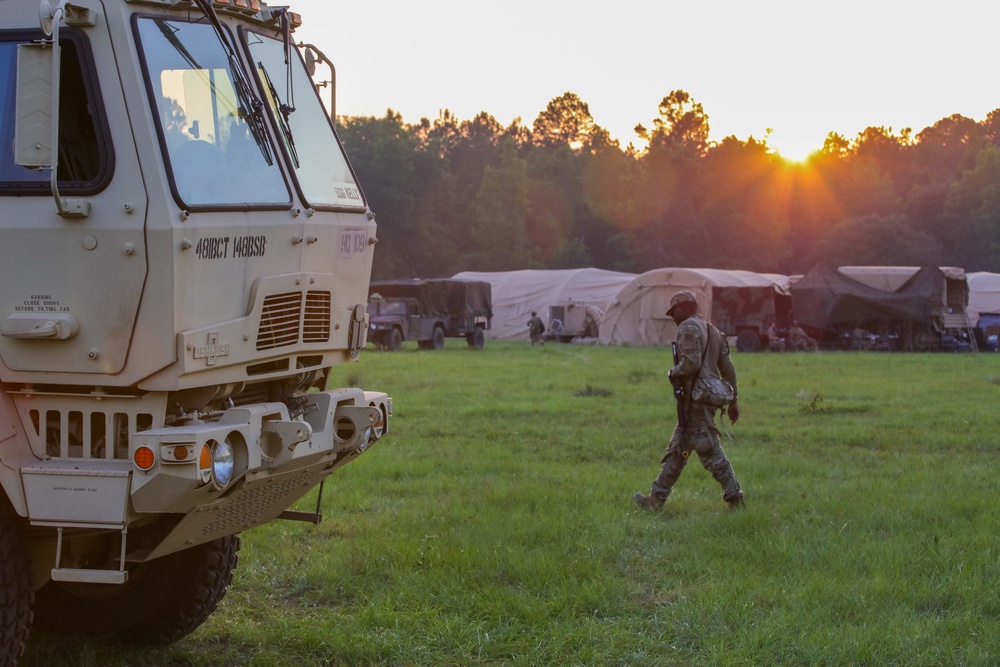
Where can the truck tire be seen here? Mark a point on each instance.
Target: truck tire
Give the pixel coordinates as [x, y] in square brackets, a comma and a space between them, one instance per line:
[163, 600]
[748, 341]
[477, 339]
[437, 339]
[15, 589]
[394, 341]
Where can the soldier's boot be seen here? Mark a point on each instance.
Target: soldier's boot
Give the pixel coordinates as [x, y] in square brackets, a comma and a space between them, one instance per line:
[736, 503]
[650, 502]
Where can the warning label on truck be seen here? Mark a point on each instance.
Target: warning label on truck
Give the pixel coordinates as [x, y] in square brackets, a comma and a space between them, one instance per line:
[40, 303]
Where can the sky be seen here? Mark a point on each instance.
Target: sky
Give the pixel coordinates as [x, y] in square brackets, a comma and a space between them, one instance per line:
[786, 71]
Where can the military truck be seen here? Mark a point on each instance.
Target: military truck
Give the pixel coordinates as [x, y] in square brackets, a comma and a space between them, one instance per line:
[572, 320]
[186, 256]
[428, 311]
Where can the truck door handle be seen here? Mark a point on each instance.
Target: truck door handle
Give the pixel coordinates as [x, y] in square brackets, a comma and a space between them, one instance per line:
[35, 326]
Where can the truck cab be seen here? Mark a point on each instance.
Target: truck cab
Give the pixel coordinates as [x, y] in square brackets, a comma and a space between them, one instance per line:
[186, 255]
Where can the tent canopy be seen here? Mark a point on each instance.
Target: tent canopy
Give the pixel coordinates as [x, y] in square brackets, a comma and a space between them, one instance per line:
[517, 293]
[826, 297]
[984, 294]
[954, 298]
[638, 314]
[891, 278]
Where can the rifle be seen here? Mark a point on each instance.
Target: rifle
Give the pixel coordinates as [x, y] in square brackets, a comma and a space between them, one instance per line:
[678, 392]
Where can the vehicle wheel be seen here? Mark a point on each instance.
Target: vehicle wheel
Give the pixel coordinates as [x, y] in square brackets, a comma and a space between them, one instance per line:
[15, 589]
[437, 339]
[394, 341]
[747, 341]
[163, 600]
[477, 339]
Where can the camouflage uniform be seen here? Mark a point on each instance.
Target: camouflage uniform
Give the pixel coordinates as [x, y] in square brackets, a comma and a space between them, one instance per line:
[701, 435]
[801, 342]
[536, 328]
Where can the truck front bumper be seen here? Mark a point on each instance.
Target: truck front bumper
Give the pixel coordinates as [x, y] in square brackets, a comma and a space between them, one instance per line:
[274, 461]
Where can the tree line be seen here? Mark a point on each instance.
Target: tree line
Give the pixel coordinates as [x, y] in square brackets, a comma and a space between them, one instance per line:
[452, 195]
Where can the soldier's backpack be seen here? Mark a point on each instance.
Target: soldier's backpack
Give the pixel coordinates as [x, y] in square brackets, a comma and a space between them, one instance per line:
[709, 389]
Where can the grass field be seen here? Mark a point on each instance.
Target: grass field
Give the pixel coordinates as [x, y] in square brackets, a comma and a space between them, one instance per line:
[495, 525]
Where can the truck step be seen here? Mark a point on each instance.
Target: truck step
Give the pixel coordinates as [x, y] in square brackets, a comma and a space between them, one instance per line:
[89, 576]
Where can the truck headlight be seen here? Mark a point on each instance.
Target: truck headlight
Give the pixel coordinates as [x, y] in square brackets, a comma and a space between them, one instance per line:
[223, 462]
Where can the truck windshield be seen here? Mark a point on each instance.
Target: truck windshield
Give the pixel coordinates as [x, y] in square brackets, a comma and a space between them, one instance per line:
[321, 167]
[212, 154]
[391, 308]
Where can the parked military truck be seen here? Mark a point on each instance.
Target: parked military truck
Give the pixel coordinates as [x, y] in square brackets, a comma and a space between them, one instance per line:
[428, 311]
[186, 256]
[573, 320]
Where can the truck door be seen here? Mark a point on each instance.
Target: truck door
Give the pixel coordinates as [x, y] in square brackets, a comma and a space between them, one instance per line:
[72, 284]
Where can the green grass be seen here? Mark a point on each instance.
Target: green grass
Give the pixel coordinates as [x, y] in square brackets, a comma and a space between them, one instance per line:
[495, 526]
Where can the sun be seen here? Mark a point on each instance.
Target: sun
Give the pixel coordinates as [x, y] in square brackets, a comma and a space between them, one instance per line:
[796, 147]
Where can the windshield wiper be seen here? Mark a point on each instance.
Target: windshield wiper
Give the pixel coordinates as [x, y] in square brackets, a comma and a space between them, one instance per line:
[251, 108]
[284, 111]
[170, 33]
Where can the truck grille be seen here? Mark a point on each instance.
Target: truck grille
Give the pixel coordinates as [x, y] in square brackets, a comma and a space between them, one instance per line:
[85, 433]
[284, 321]
[316, 327]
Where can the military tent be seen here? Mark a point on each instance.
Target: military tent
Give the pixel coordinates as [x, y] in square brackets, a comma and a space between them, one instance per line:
[984, 294]
[517, 293]
[740, 303]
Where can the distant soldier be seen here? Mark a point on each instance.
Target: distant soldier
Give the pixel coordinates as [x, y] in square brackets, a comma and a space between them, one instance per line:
[536, 328]
[800, 340]
[702, 351]
[556, 329]
[774, 340]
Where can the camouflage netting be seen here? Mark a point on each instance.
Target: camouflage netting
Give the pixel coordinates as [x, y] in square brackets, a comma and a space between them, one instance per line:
[825, 298]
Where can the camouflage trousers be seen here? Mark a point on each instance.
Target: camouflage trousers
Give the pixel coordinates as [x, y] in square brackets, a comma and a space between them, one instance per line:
[700, 437]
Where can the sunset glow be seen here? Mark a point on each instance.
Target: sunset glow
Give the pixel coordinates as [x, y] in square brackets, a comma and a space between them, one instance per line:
[418, 59]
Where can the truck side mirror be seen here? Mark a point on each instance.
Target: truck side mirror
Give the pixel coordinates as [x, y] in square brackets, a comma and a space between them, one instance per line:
[310, 62]
[36, 117]
[312, 56]
[33, 133]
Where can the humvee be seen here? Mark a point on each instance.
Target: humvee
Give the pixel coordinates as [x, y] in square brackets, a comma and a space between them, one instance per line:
[186, 256]
[428, 311]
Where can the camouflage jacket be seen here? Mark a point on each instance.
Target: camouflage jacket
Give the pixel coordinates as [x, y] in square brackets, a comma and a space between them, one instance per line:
[692, 338]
